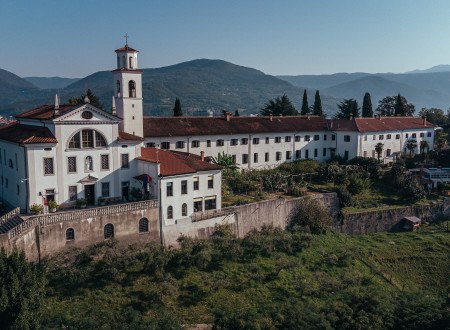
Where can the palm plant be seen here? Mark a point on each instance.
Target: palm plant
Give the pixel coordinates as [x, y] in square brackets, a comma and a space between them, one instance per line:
[379, 149]
[411, 145]
[424, 145]
[225, 160]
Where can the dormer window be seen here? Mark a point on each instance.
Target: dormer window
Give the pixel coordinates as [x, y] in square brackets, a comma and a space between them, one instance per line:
[87, 138]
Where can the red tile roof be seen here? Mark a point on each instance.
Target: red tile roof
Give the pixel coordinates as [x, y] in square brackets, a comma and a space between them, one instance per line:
[126, 49]
[123, 136]
[185, 126]
[26, 134]
[44, 111]
[342, 125]
[173, 163]
[391, 124]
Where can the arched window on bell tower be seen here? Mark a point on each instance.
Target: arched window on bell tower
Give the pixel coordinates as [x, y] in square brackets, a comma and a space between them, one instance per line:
[132, 89]
[130, 59]
[124, 62]
[118, 88]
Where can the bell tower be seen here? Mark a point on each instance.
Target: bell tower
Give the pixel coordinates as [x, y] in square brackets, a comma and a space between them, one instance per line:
[128, 91]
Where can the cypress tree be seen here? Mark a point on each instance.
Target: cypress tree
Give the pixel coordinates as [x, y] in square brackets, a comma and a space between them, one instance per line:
[317, 105]
[236, 113]
[177, 112]
[399, 108]
[305, 107]
[367, 110]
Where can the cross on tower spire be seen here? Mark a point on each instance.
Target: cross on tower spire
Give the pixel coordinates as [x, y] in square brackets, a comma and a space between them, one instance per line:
[126, 38]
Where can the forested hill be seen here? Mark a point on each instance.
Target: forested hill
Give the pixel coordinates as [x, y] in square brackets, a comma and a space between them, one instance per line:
[200, 84]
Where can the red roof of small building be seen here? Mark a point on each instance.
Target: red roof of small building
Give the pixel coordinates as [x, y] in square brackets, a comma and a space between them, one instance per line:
[123, 136]
[45, 111]
[342, 125]
[174, 162]
[185, 126]
[26, 134]
[391, 124]
[126, 49]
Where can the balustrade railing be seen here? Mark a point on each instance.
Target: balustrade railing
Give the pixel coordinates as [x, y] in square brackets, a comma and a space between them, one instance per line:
[9, 215]
[198, 216]
[49, 219]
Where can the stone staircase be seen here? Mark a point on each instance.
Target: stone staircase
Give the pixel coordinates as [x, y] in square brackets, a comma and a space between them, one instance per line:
[10, 224]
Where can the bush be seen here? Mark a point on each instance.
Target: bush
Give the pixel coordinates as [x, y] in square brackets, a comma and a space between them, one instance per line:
[345, 197]
[36, 208]
[412, 191]
[358, 183]
[312, 213]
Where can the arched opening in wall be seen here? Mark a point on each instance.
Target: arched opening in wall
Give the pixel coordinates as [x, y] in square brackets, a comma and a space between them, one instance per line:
[131, 89]
[118, 88]
[130, 60]
[87, 138]
[143, 225]
[184, 210]
[109, 231]
[170, 212]
[70, 234]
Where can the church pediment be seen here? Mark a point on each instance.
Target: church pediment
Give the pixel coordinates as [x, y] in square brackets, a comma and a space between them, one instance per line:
[85, 114]
[89, 179]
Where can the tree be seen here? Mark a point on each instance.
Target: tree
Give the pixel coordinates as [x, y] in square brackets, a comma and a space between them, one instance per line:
[411, 145]
[310, 212]
[411, 190]
[348, 108]
[225, 160]
[317, 109]
[424, 145]
[434, 116]
[399, 108]
[379, 149]
[236, 113]
[177, 112]
[22, 288]
[305, 107]
[367, 110]
[279, 106]
[93, 99]
[386, 106]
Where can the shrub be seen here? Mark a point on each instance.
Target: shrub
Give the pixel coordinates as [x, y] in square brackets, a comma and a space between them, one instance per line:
[412, 191]
[36, 208]
[358, 183]
[81, 201]
[345, 197]
[312, 213]
[52, 205]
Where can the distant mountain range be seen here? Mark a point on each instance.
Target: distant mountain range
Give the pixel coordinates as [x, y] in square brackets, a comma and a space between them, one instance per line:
[218, 85]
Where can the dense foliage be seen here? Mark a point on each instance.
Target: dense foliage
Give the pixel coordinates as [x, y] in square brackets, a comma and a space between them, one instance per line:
[177, 111]
[348, 109]
[279, 106]
[367, 110]
[389, 106]
[317, 106]
[305, 107]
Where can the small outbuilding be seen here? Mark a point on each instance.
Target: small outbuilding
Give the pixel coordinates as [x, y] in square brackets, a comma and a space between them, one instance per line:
[411, 223]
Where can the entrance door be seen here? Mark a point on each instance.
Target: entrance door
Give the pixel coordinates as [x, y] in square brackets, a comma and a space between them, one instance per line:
[89, 193]
[125, 190]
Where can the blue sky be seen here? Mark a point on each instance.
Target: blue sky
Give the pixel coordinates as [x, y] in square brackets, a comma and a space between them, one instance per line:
[76, 38]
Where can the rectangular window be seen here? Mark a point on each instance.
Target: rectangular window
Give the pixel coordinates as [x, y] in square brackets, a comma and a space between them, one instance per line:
[1, 162]
[124, 161]
[324, 152]
[169, 189]
[414, 135]
[72, 164]
[48, 166]
[244, 158]
[104, 162]
[267, 140]
[179, 145]
[278, 155]
[219, 143]
[365, 137]
[429, 134]
[72, 193]
[333, 137]
[373, 153]
[316, 137]
[18, 190]
[266, 156]
[165, 145]
[346, 155]
[287, 139]
[307, 138]
[17, 163]
[422, 134]
[88, 138]
[150, 145]
[234, 142]
[381, 137]
[208, 143]
[255, 140]
[105, 189]
[397, 136]
[6, 182]
[388, 152]
[210, 182]
[288, 155]
[198, 204]
[374, 138]
[306, 153]
[365, 154]
[277, 139]
[298, 154]
[388, 137]
[234, 158]
[195, 144]
[298, 138]
[346, 138]
[184, 187]
[255, 157]
[316, 152]
[406, 135]
[244, 141]
[210, 203]
[196, 185]
[324, 137]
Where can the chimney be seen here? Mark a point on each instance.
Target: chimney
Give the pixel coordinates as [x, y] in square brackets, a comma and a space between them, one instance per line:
[379, 116]
[280, 115]
[202, 153]
[113, 106]
[228, 116]
[56, 110]
[308, 115]
[425, 121]
[351, 116]
[271, 116]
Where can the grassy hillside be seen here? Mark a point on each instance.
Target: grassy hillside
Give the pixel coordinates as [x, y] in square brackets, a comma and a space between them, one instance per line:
[269, 279]
[50, 82]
